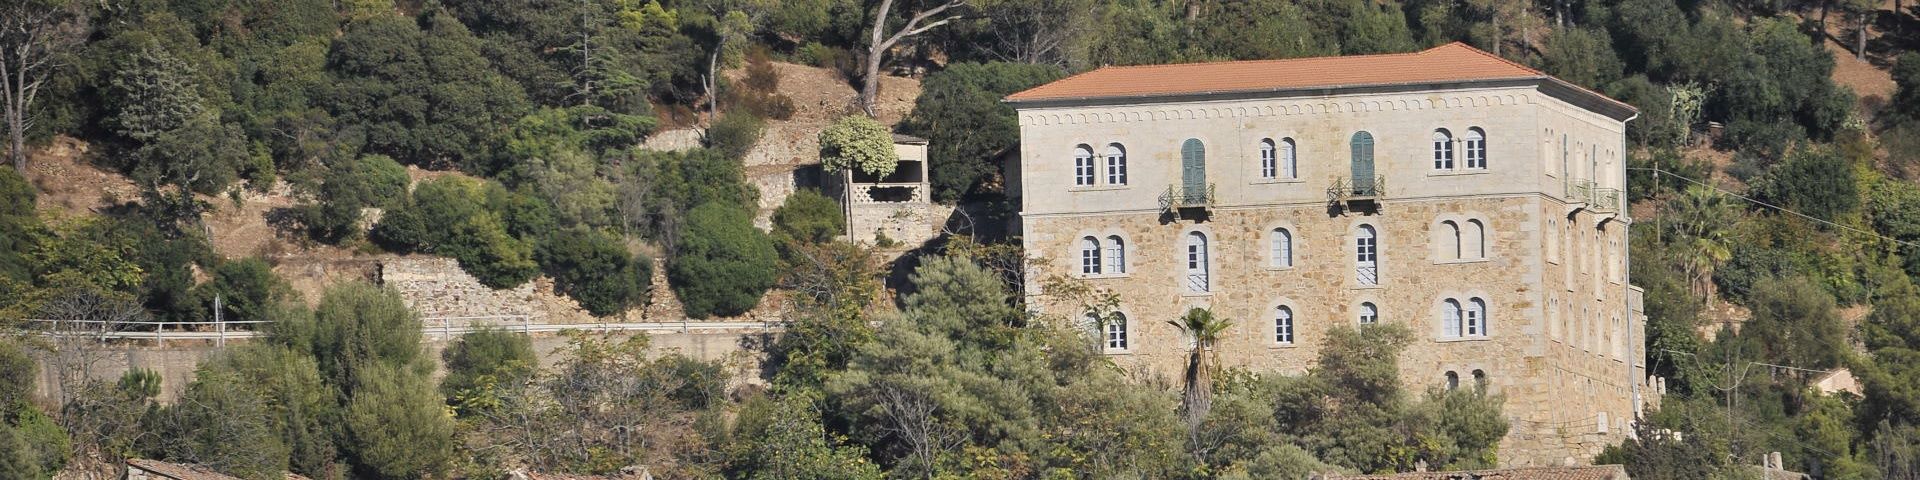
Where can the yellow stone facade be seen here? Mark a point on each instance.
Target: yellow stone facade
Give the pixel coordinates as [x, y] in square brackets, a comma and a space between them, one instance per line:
[1563, 333]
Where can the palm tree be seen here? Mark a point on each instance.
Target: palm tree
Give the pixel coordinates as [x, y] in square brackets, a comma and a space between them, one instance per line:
[1204, 329]
[1701, 218]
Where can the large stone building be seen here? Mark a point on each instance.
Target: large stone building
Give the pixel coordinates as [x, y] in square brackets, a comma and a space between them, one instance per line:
[1475, 200]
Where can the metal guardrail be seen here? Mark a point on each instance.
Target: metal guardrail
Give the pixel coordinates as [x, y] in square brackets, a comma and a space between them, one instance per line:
[445, 327]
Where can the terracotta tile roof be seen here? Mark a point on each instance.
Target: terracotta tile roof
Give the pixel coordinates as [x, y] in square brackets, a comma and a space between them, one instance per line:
[1597, 472]
[1453, 62]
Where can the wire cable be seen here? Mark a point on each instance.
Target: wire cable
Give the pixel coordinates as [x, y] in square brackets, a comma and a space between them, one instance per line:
[1777, 207]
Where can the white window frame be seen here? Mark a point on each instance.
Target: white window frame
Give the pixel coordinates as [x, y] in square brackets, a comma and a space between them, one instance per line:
[1369, 314]
[1116, 251]
[1083, 166]
[1090, 255]
[1199, 278]
[1280, 248]
[1269, 159]
[1367, 255]
[1115, 333]
[1289, 159]
[1442, 150]
[1116, 164]
[1283, 325]
[1475, 144]
[1450, 313]
[1474, 318]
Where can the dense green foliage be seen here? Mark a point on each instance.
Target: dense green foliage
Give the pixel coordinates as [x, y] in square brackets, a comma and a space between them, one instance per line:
[451, 216]
[594, 268]
[723, 264]
[481, 364]
[858, 143]
[967, 128]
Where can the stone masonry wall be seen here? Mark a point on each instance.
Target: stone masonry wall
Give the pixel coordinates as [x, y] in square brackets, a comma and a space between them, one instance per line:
[1556, 393]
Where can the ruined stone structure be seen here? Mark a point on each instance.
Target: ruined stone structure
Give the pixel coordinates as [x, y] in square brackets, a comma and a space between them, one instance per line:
[1474, 200]
[897, 208]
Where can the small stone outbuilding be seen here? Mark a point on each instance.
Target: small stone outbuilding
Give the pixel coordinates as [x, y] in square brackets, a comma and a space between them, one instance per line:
[893, 209]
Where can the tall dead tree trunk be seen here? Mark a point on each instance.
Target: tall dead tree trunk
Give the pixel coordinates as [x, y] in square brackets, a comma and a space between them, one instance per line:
[880, 42]
[1860, 42]
[34, 36]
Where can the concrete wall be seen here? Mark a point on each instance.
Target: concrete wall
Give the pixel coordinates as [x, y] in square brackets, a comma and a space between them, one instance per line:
[1563, 340]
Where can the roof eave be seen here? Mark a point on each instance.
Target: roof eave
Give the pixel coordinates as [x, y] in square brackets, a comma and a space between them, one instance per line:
[1561, 89]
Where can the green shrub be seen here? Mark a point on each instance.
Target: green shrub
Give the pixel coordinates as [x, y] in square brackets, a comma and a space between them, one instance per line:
[16, 218]
[305, 410]
[450, 216]
[397, 427]
[808, 217]
[479, 363]
[356, 325]
[227, 423]
[723, 264]
[735, 133]
[247, 289]
[369, 181]
[17, 372]
[594, 268]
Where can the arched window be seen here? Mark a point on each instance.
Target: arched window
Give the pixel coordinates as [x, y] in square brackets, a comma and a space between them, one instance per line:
[1082, 166]
[1269, 159]
[1116, 164]
[1476, 317]
[1289, 162]
[1197, 263]
[1450, 318]
[1281, 248]
[1116, 331]
[1480, 379]
[1476, 148]
[1116, 254]
[1367, 256]
[1453, 380]
[1449, 240]
[1442, 150]
[1089, 256]
[1474, 241]
[1369, 314]
[1283, 325]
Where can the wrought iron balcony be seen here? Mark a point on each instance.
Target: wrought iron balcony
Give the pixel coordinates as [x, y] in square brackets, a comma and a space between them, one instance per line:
[1596, 197]
[1357, 190]
[1179, 196]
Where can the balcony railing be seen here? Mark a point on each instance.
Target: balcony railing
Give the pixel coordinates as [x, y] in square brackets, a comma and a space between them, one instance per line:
[1597, 198]
[1604, 199]
[1180, 196]
[884, 193]
[1357, 189]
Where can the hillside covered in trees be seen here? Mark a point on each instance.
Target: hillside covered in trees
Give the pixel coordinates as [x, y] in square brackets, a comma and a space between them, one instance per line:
[1778, 210]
